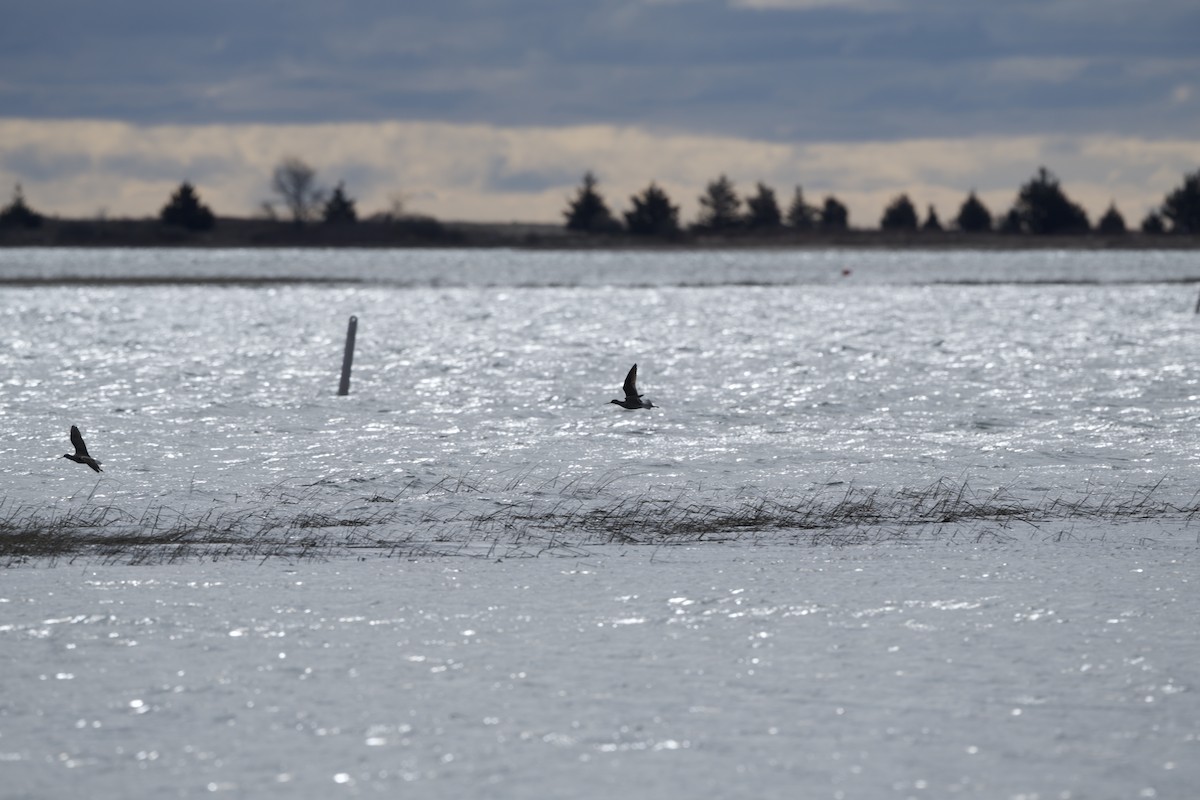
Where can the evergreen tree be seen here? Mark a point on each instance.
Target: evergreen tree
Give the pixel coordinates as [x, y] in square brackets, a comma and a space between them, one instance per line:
[1182, 206]
[762, 210]
[973, 215]
[184, 210]
[1153, 224]
[801, 215]
[339, 209]
[932, 223]
[588, 212]
[18, 214]
[901, 215]
[1011, 222]
[1112, 223]
[1045, 209]
[719, 206]
[652, 214]
[834, 215]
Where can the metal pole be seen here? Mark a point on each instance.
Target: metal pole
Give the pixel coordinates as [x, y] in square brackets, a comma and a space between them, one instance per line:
[348, 358]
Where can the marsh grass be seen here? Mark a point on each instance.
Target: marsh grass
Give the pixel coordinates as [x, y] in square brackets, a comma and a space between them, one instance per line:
[850, 515]
[519, 518]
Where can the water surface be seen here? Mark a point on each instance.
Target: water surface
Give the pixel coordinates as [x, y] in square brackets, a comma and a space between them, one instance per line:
[774, 373]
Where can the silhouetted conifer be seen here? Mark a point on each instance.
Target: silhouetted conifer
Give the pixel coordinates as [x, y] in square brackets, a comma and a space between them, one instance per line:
[900, 215]
[184, 210]
[834, 216]
[719, 207]
[18, 214]
[1112, 223]
[588, 212]
[1045, 209]
[1153, 224]
[339, 209]
[1182, 206]
[652, 214]
[973, 215]
[762, 211]
[932, 223]
[801, 215]
[1010, 222]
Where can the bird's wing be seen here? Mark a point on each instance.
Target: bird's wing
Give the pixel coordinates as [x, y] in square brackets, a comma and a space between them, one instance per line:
[77, 440]
[631, 383]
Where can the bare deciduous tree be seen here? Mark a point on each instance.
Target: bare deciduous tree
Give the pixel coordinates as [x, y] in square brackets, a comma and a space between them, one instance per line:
[296, 184]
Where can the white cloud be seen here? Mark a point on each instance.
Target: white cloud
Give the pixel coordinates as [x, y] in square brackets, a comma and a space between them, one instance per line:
[489, 173]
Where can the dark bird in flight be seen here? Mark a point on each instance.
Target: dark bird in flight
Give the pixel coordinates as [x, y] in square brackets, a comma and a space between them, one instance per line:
[632, 398]
[80, 456]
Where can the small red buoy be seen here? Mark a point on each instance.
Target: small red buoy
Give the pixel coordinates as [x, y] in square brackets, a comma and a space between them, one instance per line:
[845, 272]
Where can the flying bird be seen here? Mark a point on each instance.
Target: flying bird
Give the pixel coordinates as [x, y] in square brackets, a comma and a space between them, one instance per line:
[632, 398]
[80, 456]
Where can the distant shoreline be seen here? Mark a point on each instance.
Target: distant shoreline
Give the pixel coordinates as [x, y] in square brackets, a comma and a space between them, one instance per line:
[420, 232]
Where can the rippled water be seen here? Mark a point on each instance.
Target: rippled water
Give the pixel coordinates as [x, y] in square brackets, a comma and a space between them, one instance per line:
[773, 673]
[773, 372]
[1051, 662]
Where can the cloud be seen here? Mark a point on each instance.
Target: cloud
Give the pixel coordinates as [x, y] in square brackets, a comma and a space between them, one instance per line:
[36, 164]
[1039, 69]
[495, 173]
[779, 70]
[809, 5]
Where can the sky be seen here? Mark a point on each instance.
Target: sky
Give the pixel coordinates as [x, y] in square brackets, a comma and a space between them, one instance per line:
[493, 110]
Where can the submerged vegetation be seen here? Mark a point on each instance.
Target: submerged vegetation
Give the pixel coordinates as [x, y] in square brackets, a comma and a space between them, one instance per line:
[463, 517]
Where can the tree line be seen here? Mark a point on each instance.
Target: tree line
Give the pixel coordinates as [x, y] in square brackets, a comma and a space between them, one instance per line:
[1041, 207]
[296, 193]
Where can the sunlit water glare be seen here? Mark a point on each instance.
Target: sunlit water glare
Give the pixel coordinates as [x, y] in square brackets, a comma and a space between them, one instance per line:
[773, 373]
[1006, 656]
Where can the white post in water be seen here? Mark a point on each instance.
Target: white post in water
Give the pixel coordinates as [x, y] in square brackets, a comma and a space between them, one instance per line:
[348, 358]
